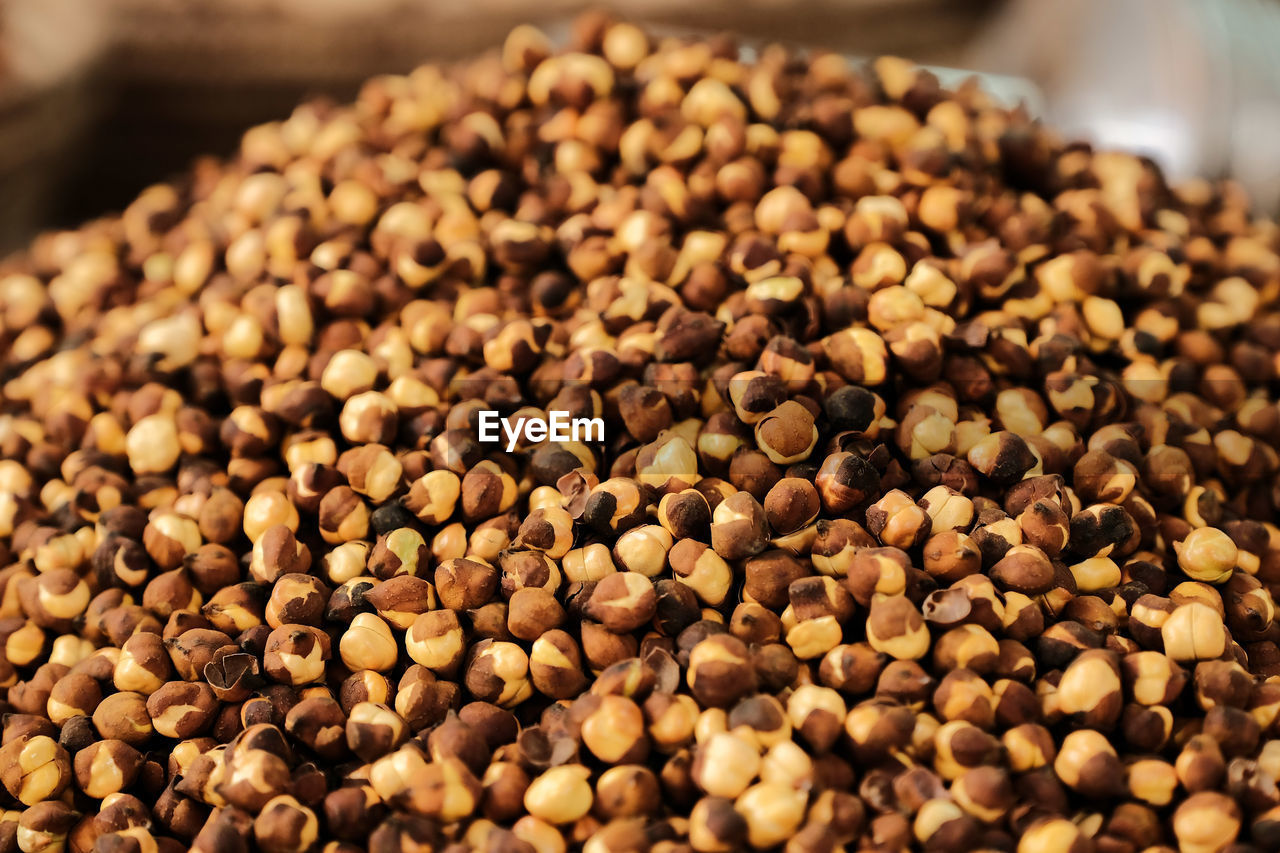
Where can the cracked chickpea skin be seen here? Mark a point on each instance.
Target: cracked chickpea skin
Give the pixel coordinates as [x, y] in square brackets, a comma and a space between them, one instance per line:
[935, 508]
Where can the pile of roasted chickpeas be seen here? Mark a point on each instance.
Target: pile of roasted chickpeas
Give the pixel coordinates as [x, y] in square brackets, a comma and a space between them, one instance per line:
[935, 508]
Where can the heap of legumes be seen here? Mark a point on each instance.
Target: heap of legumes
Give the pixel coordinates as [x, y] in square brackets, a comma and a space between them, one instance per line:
[634, 447]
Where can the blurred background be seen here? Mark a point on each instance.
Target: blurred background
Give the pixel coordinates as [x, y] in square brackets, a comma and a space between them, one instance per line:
[99, 98]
